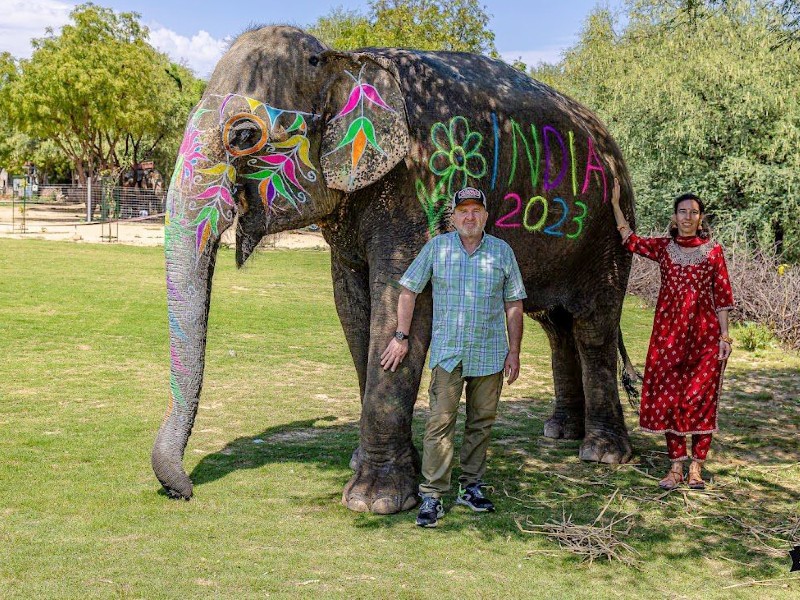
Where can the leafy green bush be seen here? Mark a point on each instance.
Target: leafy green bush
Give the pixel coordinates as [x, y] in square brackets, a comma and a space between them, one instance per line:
[753, 336]
[717, 116]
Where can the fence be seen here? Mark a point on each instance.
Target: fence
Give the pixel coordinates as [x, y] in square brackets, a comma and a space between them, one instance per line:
[105, 202]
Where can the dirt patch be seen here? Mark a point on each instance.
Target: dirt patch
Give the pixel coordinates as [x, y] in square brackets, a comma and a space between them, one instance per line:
[66, 223]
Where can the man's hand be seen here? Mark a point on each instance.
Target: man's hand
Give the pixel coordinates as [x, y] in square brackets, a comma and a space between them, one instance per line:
[514, 326]
[396, 350]
[394, 354]
[511, 367]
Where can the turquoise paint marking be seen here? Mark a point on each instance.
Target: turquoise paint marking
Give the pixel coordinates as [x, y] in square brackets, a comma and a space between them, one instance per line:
[175, 327]
[176, 390]
[274, 113]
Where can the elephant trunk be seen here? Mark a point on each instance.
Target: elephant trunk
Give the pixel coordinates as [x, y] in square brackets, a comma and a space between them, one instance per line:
[196, 217]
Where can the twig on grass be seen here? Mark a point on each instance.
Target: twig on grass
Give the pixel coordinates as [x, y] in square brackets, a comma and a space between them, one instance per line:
[781, 534]
[602, 512]
[768, 467]
[525, 502]
[762, 582]
[632, 467]
[580, 481]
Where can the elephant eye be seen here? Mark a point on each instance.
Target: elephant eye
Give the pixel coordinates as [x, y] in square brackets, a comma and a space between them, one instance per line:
[243, 134]
[313, 61]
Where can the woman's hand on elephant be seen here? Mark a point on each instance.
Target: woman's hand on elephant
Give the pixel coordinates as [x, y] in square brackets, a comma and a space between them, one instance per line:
[394, 354]
[511, 367]
[615, 193]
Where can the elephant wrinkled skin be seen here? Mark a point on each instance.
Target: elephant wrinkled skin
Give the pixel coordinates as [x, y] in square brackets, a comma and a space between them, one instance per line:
[370, 145]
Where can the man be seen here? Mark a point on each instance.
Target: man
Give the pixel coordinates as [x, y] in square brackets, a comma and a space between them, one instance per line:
[477, 296]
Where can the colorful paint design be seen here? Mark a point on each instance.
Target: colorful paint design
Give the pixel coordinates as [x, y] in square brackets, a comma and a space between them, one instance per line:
[507, 220]
[361, 131]
[519, 141]
[227, 137]
[201, 196]
[544, 157]
[456, 159]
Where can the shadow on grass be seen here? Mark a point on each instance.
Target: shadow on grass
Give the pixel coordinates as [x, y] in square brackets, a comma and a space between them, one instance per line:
[743, 518]
[328, 446]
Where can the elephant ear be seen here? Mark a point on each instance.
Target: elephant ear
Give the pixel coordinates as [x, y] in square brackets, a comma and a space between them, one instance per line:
[368, 132]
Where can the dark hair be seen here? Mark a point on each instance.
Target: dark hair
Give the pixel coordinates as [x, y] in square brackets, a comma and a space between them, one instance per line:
[688, 196]
[703, 231]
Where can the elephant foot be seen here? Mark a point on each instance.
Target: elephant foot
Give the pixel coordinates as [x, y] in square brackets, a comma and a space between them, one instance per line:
[563, 428]
[606, 447]
[382, 488]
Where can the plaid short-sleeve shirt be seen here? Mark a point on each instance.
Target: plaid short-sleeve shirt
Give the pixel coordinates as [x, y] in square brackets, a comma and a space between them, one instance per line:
[469, 292]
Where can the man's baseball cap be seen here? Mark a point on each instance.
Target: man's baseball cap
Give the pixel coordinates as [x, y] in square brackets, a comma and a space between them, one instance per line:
[469, 194]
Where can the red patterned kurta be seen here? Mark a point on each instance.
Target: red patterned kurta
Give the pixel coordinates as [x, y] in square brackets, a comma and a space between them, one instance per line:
[682, 373]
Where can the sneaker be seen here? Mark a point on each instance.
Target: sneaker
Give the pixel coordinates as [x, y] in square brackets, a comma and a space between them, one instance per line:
[473, 497]
[430, 512]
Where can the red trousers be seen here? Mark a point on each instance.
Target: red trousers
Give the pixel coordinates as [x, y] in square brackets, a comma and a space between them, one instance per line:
[676, 446]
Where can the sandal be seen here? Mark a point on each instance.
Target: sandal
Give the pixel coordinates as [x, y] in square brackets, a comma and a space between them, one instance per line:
[673, 479]
[695, 478]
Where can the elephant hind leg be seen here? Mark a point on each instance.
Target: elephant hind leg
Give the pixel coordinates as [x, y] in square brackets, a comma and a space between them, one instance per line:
[606, 438]
[567, 421]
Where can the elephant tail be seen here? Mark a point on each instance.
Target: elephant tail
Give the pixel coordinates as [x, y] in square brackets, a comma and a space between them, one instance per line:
[629, 375]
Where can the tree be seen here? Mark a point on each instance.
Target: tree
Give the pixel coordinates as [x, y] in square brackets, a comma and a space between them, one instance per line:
[99, 91]
[788, 11]
[704, 105]
[343, 29]
[457, 25]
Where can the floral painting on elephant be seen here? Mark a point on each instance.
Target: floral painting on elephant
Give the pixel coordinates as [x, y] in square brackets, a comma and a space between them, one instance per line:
[277, 162]
[372, 111]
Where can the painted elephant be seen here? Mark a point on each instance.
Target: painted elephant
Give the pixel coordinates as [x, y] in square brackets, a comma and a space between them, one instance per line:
[370, 145]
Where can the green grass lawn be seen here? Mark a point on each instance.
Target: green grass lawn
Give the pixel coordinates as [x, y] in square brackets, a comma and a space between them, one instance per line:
[83, 387]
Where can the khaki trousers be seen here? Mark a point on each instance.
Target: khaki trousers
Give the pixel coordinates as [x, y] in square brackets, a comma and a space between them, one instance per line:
[483, 394]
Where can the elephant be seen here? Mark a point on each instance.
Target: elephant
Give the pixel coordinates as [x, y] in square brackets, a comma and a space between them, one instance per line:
[370, 145]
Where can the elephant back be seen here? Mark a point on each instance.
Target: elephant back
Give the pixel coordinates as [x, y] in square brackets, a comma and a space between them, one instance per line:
[546, 163]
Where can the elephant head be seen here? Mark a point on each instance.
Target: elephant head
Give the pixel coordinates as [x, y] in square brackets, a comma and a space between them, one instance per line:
[285, 130]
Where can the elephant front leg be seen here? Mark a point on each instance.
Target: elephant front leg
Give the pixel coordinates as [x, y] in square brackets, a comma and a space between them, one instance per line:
[386, 469]
[606, 438]
[351, 295]
[567, 421]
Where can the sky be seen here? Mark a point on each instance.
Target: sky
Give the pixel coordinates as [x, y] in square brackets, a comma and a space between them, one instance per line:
[195, 33]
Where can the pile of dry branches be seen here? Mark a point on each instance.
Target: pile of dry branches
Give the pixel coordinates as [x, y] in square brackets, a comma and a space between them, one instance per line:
[599, 540]
[766, 291]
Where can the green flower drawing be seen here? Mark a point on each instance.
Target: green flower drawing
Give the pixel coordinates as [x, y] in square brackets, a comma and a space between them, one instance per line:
[457, 157]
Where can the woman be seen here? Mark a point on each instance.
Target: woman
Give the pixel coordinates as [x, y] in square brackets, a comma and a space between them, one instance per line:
[690, 342]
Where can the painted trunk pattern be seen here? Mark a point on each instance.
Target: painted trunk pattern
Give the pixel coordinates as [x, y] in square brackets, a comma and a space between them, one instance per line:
[200, 206]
